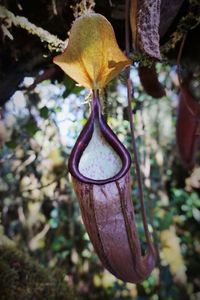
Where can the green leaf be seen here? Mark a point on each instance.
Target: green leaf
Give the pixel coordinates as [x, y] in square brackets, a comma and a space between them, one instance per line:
[44, 112]
[11, 144]
[58, 109]
[166, 221]
[31, 127]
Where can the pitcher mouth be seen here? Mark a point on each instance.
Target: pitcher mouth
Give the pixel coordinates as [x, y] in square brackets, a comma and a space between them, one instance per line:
[84, 139]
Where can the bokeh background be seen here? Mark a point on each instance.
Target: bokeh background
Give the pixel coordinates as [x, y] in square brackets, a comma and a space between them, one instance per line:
[39, 210]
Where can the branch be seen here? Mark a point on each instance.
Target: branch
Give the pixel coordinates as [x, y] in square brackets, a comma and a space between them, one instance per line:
[54, 43]
[14, 77]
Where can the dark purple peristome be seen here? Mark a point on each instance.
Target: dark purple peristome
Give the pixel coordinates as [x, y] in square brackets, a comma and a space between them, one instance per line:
[84, 139]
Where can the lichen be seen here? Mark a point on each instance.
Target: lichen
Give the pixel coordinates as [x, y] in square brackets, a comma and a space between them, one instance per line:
[8, 19]
[85, 6]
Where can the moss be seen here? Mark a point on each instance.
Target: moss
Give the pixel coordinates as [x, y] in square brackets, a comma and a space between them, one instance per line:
[143, 59]
[23, 279]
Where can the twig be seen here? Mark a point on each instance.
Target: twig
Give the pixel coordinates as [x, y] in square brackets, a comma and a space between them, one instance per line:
[179, 58]
[105, 104]
[54, 43]
[127, 27]
[54, 7]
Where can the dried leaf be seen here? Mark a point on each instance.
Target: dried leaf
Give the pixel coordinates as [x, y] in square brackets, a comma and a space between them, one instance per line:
[145, 19]
[92, 57]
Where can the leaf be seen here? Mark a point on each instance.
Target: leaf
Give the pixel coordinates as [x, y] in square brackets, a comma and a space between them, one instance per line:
[44, 112]
[196, 214]
[166, 221]
[31, 127]
[11, 144]
[92, 57]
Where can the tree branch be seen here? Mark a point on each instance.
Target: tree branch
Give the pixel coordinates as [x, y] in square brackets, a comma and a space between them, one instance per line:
[54, 43]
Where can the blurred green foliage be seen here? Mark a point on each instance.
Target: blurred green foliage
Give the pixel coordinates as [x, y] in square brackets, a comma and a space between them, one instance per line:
[39, 210]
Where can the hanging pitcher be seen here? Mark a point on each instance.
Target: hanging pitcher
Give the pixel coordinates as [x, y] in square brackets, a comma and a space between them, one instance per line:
[105, 199]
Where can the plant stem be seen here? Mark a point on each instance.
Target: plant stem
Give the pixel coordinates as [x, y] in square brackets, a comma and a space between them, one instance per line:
[136, 160]
[179, 58]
